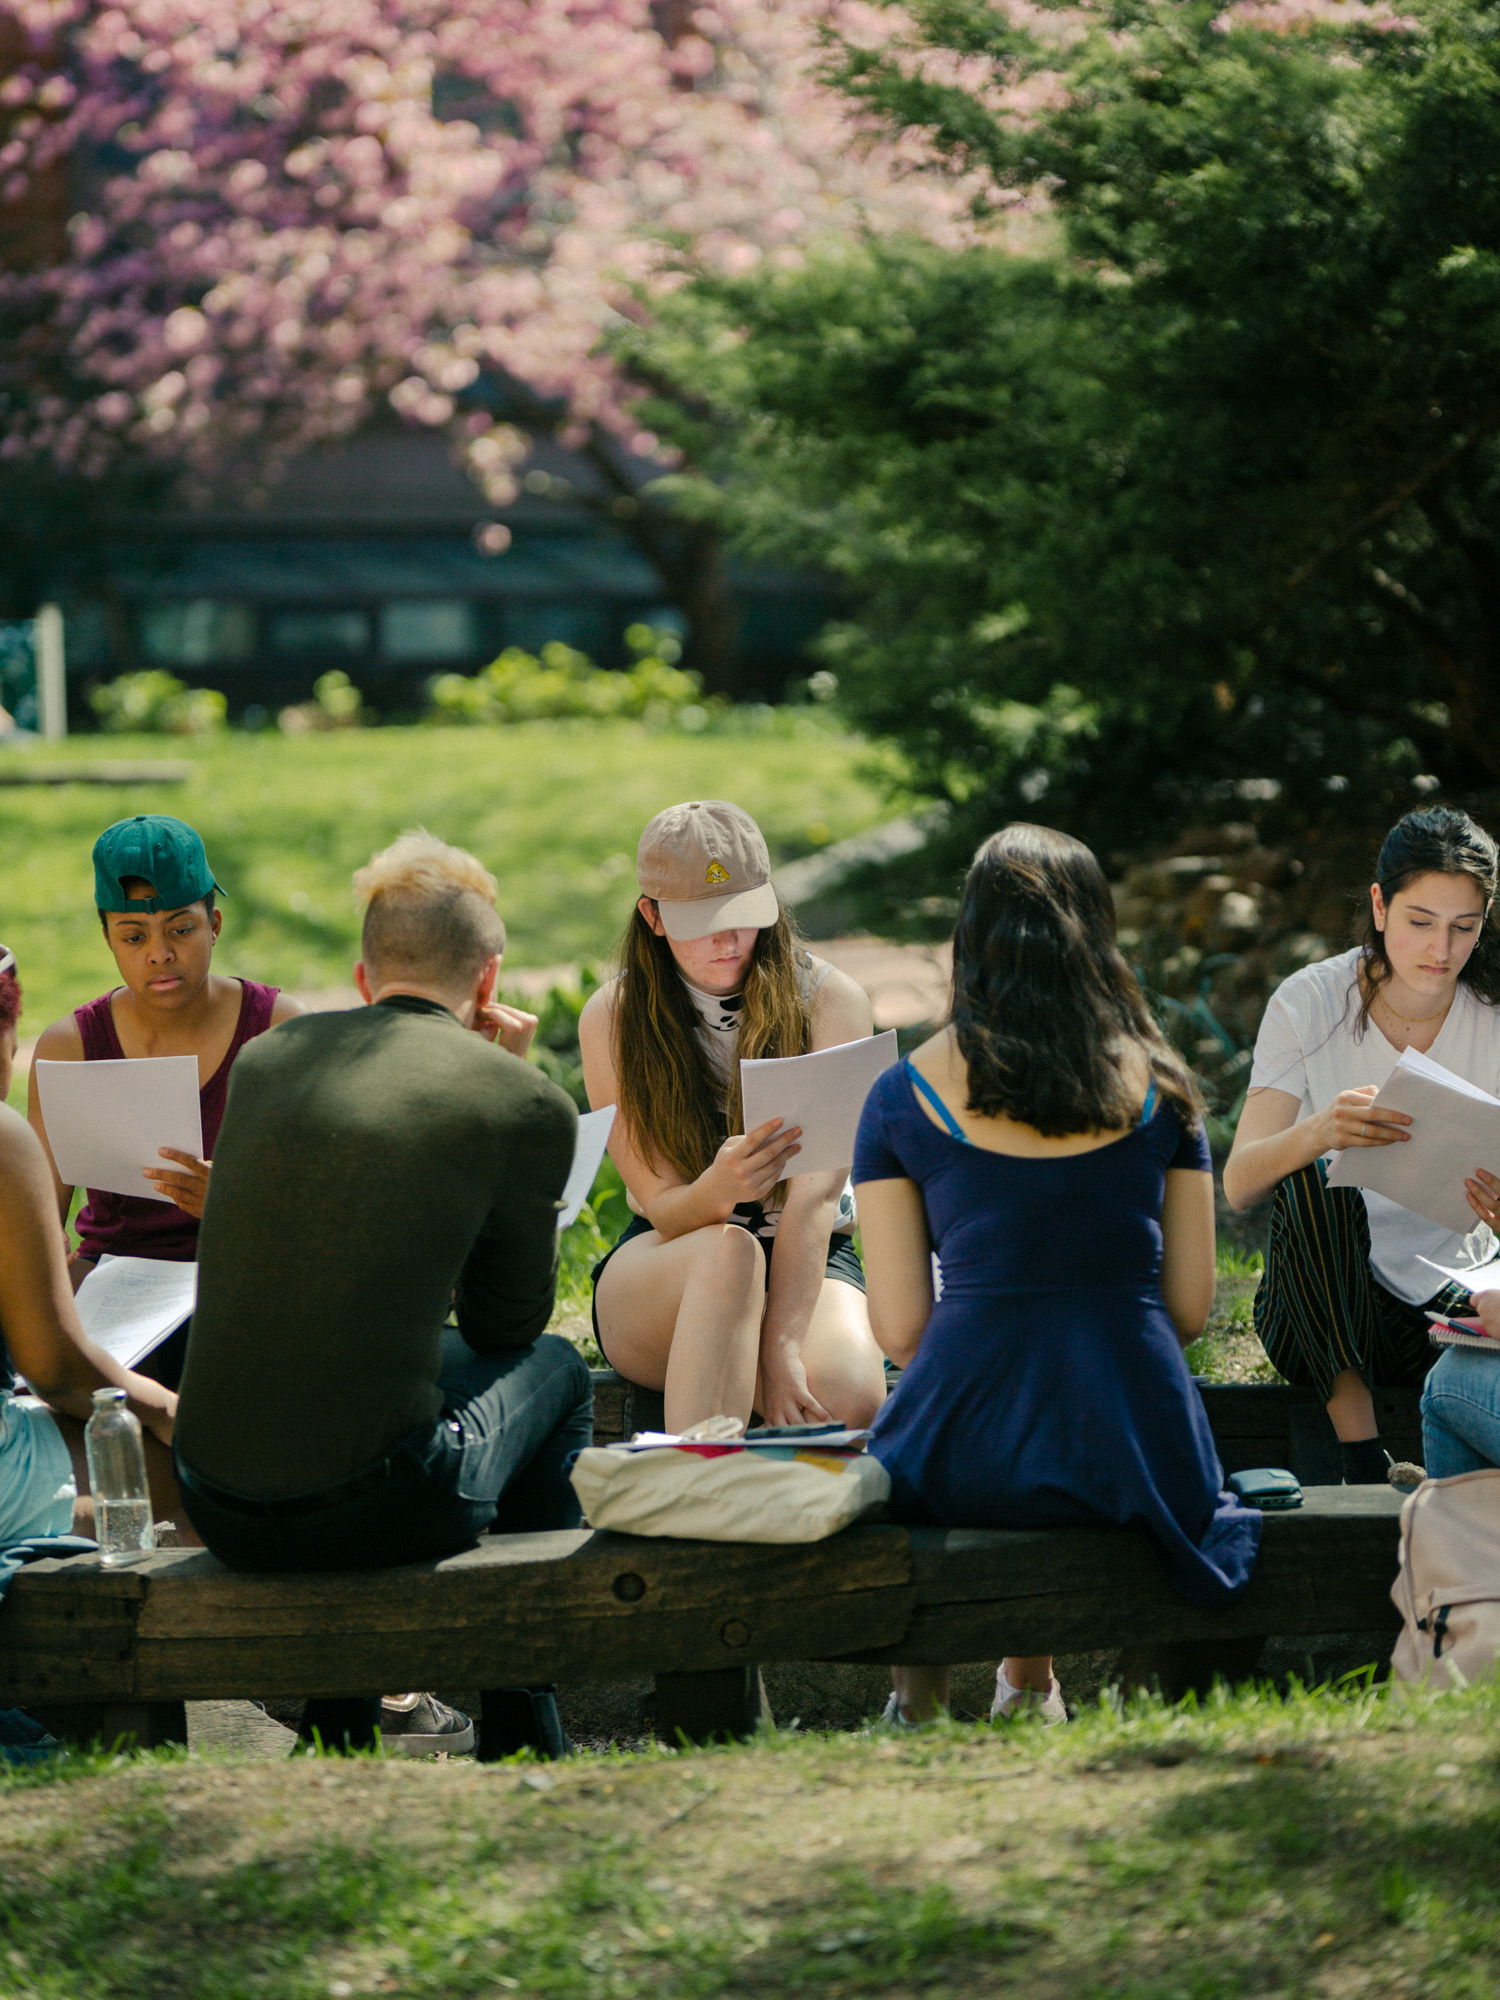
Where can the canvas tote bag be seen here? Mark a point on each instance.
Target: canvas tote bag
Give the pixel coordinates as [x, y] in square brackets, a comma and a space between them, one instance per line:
[1448, 1586]
[724, 1494]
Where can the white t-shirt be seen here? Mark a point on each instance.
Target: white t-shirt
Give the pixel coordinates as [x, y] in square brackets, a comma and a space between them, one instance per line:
[1310, 1046]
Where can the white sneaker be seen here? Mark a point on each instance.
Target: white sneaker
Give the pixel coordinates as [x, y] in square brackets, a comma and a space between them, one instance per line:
[1010, 1704]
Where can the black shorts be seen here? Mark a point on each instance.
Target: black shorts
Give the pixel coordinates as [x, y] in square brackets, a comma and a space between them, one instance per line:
[843, 1259]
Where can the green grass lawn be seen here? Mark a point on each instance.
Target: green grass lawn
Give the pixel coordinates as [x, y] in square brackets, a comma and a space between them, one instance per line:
[1322, 1846]
[554, 808]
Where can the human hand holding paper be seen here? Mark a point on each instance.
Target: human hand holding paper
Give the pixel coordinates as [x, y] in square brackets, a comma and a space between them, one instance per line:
[1483, 1191]
[1454, 1126]
[186, 1184]
[748, 1165]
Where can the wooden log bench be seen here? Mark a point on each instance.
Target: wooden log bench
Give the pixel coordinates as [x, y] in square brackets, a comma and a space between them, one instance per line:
[116, 1653]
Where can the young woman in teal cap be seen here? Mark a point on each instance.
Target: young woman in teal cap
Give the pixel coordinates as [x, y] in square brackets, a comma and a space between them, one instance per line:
[156, 897]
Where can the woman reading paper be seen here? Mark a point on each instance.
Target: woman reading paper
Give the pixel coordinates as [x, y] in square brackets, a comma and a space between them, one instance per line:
[155, 895]
[735, 1287]
[1343, 1302]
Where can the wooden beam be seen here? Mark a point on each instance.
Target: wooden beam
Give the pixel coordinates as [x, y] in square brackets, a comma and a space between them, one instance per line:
[526, 1609]
[981, 1593]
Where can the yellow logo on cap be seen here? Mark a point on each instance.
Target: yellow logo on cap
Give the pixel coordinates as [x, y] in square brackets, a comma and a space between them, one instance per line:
[717, 873]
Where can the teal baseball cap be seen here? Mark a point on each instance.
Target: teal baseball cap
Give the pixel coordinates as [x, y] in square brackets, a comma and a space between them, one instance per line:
[155, 848]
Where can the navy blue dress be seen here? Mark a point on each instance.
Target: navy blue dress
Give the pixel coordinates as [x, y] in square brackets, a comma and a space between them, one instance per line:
[1049, 1389]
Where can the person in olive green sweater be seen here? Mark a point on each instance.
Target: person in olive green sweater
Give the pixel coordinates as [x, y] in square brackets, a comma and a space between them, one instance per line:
[376, 1167]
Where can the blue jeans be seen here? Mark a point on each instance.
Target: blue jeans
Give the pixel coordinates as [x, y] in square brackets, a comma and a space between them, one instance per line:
[1461, 1413]
[495, 1457]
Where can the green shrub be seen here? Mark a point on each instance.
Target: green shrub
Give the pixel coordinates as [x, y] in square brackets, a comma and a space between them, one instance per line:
[336, 704]
[155, 701]
[520, 687]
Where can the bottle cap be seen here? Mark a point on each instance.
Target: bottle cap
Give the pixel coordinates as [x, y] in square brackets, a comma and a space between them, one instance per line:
[111, 1394]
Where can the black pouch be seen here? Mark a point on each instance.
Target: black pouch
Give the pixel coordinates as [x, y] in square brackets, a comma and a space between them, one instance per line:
[1267, 1487]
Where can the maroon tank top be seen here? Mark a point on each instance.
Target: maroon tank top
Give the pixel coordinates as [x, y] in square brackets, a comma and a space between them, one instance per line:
[127, 1225]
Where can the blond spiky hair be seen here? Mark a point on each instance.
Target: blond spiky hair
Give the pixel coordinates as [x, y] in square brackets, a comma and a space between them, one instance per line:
[417, 863]
[430, 915]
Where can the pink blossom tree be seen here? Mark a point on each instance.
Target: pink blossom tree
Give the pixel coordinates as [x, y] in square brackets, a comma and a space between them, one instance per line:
[283, 214]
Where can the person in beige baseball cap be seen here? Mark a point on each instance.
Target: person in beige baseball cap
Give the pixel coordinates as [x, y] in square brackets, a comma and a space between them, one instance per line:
[736, 1287]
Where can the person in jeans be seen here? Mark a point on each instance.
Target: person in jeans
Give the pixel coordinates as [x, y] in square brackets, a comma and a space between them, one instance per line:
[1461, 1403]
[1349, 1276]
[374, 1167]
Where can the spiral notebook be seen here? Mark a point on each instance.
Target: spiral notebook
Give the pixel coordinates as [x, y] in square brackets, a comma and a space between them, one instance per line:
[1460, 1333]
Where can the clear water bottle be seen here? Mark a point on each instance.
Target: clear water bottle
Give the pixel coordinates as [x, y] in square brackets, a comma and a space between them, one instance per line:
[123, 1526]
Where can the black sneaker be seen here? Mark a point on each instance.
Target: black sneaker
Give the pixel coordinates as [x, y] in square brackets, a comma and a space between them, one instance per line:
[419, 1725]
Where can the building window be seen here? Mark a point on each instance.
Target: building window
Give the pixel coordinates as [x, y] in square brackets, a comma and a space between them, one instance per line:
[197, 632]
[340, 632]
[428, 628]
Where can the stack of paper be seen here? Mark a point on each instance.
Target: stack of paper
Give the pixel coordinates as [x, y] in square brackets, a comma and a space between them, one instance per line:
[1455, 1128]
[129, 1305]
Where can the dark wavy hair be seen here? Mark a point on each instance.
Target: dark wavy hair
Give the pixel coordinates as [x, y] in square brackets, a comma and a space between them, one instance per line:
[1435, 840]
[1044, 1006]
[10, 997]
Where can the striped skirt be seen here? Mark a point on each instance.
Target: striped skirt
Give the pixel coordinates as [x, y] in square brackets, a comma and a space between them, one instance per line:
[1320, 1309]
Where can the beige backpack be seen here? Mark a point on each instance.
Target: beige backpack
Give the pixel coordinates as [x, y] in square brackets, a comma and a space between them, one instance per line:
[1448, 1587]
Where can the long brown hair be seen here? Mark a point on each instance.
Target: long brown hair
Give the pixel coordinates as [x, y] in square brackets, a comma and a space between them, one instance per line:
[1044, 1006]
[671, 1102]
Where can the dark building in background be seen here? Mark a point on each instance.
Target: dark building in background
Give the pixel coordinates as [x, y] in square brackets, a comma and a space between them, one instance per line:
[381, 557]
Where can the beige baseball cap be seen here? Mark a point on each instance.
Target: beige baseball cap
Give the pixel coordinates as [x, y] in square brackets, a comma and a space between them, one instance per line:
[706, 866]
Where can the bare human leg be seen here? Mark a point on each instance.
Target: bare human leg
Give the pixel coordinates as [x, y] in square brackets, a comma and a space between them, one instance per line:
[1352, 1408]
[683, 1315]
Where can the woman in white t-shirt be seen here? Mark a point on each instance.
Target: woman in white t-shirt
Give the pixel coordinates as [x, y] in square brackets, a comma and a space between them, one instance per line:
[1341, 1305]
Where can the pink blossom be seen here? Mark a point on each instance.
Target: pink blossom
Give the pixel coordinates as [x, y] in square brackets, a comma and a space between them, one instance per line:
[305, 208]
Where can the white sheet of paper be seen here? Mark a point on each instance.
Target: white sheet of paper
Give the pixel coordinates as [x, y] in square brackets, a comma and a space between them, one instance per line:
[824, 1093]
[1455, 1128]
[588, 1156]
[105, 1120]
[130, 1304]
[1474, 1279]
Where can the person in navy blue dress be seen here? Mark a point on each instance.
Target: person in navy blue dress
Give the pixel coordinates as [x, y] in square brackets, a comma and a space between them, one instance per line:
[1048, 1145]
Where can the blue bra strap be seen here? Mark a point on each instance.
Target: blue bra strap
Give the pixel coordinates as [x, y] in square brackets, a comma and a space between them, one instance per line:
[1150, 1105]
[920, 1084]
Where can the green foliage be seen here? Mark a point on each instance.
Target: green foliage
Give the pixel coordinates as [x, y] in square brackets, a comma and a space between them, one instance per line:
[336, 704]
[519, 687]
[156, 702]
[1203, 487]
